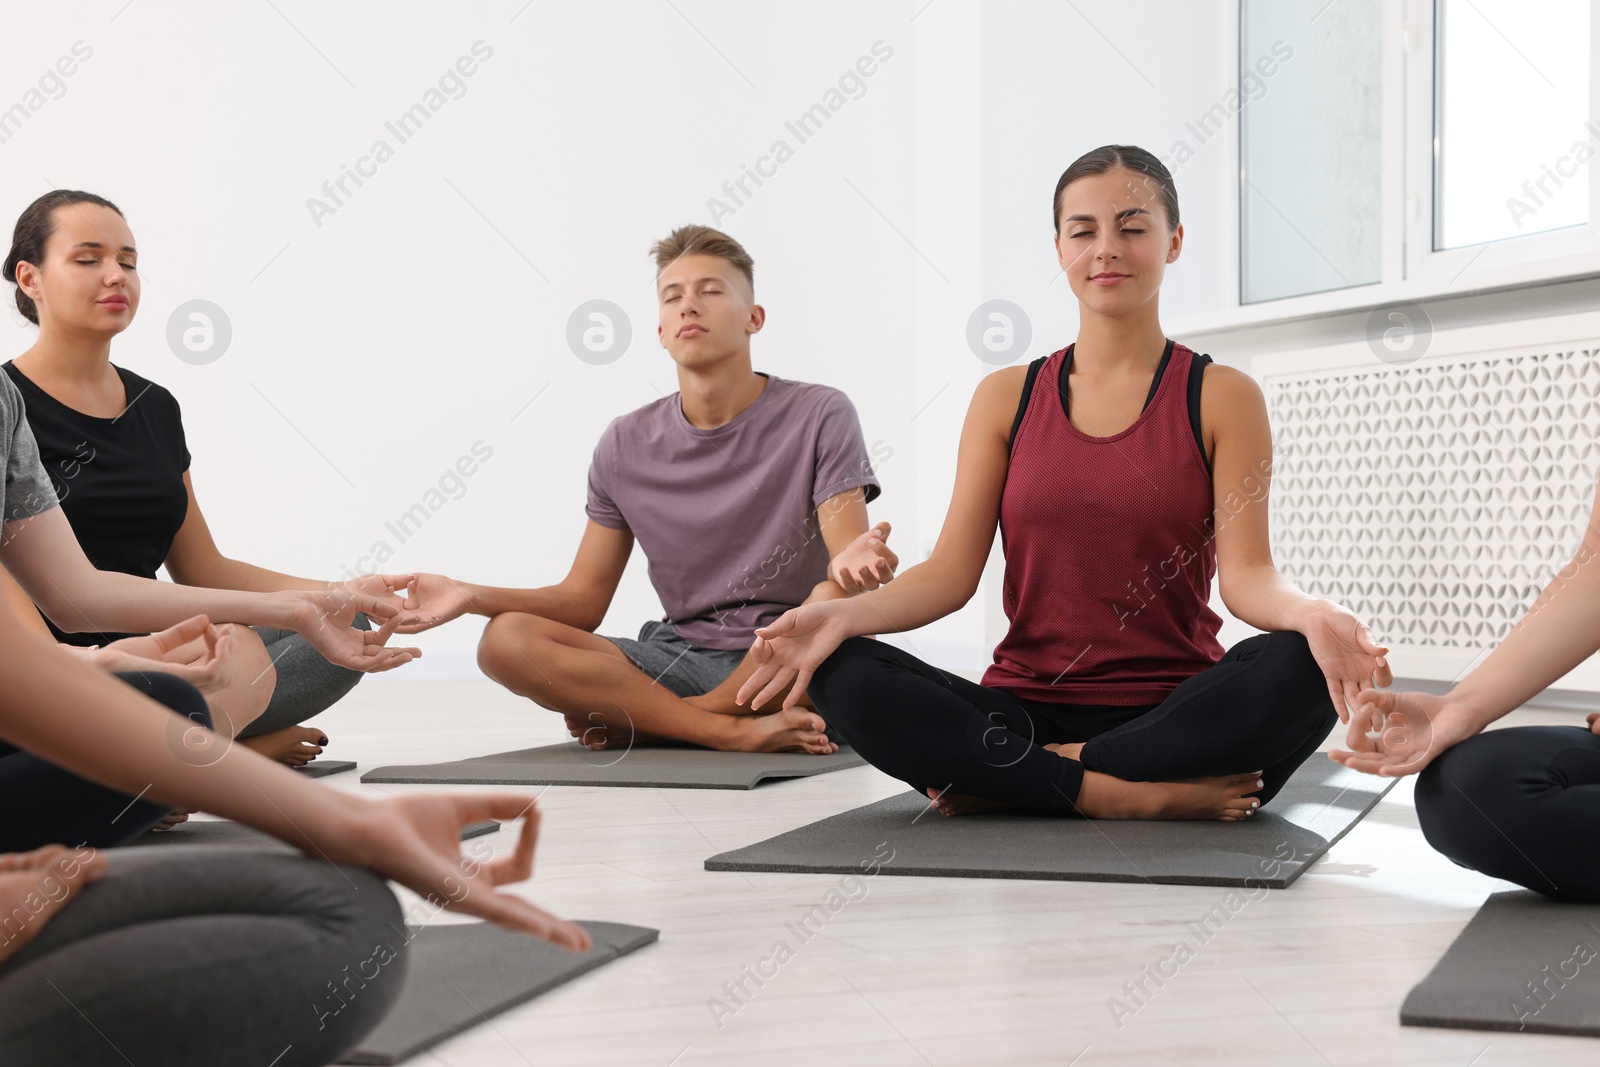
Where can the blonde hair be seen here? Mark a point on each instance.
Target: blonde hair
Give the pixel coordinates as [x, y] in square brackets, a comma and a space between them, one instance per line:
[703, 240]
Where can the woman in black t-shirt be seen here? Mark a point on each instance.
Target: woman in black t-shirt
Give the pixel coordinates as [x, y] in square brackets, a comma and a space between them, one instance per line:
[113, 444]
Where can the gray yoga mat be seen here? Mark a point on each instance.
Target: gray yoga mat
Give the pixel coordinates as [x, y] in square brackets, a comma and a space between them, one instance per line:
[1524, 963]
[460, 976]
[1272, 848]
[227, 832]
[321, 768]
[572, 764]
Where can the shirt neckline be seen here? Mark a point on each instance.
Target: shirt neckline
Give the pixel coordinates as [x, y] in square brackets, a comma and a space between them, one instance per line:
[122, 376]
[683, 420]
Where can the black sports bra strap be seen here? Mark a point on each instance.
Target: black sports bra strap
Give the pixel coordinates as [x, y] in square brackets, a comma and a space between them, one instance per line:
[1197, 372]
[1022, 405]
[1155, 380]
[1197, 369]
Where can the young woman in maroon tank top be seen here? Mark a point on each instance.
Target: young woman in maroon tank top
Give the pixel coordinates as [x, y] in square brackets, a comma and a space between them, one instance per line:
[1120, 487]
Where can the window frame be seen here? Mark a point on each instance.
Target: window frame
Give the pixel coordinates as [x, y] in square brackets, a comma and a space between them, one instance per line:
[1412, 270]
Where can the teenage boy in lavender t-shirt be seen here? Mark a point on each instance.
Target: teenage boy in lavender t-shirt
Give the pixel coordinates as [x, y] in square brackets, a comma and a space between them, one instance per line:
[748, 494]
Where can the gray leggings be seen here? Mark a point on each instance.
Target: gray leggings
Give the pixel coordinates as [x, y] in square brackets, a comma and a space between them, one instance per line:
[307, 683]
[194, 954]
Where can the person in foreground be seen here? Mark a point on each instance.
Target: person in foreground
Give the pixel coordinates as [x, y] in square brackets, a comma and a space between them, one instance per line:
[1117, 499]
[1520, 803]
[748, 494]
[201, 955]
[114, 446]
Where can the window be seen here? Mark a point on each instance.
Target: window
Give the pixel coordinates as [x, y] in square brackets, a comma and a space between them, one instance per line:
[1311, 144]
[1410, 150]
[1512, 139]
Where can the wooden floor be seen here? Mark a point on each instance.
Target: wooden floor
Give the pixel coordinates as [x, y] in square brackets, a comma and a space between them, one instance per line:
[934, 971]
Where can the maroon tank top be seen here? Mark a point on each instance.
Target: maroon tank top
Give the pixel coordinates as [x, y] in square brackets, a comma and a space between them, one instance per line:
[1109, 547]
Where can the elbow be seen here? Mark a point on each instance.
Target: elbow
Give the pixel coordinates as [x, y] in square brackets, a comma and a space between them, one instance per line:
[63, 616]
[591, 614]
[186, 572]
[585, 609]
[1241, 599]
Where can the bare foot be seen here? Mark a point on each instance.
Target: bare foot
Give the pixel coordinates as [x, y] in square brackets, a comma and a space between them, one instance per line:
[1068, 751]
[948, 803]
[594, 732]
[293, 745]
[1225, 798]
[794, 730]
[174, 817]
[35, 886]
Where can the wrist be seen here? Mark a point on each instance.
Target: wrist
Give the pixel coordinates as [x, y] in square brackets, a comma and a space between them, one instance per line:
[855, 616]
[479, 600]
[1468, 709]
[292, 610]
[351, 831]
[1309, 611]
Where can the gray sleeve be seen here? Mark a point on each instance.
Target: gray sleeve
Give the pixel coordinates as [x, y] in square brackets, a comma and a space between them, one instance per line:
[841, 452]
[601, 507]
[27, 489]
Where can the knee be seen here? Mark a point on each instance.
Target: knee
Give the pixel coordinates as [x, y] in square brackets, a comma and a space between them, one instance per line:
[1291, 650]
[363, 936]
[247, 681]
[1463, 775]
[1457, 792]
[373, 916]
[844, 672]
[1297, 670]
[177, 694]
[503, 648]
[846, 659]
[255, 676]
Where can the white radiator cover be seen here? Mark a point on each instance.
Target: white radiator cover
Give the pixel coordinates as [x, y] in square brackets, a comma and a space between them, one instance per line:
[1436, 499]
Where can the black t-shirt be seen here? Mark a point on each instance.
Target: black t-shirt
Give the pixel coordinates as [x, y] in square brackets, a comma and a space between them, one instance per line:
[120, 480]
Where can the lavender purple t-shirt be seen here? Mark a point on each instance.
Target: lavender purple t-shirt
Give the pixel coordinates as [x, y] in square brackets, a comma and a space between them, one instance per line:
[727, 517]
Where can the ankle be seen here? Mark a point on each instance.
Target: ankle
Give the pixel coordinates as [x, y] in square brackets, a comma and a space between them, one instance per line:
[717, 730]
[1102, 796]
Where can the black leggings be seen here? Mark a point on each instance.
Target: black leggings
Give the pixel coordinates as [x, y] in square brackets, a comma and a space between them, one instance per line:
[1264, 705]
[1521, 804]
[44, 804]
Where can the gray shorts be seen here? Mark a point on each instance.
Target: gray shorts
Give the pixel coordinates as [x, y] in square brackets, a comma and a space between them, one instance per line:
[686, 670]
